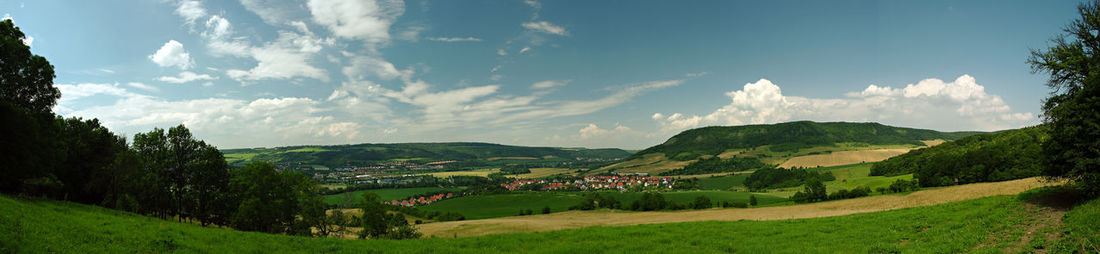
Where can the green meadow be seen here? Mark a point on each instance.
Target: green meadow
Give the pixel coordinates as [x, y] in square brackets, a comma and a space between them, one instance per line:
[987, 225]
[503, 205]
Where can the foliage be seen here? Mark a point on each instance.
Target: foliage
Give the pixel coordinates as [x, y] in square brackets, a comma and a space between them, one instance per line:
[1073, 149]
[593, 200]
[650, 201]
[791, 136]
[814, 191]
[26, 79]
[752, 200]
[718, 165]
[766, 178]
[272, 201]
[902, 186]
[701, 202]
[1001, 156]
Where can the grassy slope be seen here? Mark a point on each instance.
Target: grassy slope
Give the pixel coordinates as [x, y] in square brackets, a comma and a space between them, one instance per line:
[385, 194]
[848, 177]
[503, 205]
[52, 226]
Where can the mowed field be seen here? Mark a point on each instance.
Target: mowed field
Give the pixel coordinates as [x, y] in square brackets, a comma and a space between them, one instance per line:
[504, 205]
[384, 194]
[580, 219]
[652, 164]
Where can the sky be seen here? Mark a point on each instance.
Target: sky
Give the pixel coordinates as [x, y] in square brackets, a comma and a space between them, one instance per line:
[625, 74]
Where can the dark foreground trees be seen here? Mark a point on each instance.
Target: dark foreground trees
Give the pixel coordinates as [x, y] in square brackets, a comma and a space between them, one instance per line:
[1073, 65]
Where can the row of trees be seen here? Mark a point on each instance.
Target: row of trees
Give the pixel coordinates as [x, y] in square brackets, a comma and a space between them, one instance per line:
[766, 178]
[814, 191]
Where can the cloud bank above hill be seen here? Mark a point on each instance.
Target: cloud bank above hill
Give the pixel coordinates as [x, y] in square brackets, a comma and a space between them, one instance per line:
[932, 103]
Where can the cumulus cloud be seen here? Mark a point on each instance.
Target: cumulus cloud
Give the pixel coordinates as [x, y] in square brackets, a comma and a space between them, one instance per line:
[961, 104]
[365, 66]
[367, 20]
[143, 86]
[287, 57]
[172, 54]
[185, 77]
[277, 12]
[545, 27]
[454, 39]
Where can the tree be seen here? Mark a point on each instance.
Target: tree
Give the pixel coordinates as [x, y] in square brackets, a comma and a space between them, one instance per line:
[1073, 65]
[374, 218]
[752, 200]
[27, 129]
[701, 202]
[26, 79]
[546, 210]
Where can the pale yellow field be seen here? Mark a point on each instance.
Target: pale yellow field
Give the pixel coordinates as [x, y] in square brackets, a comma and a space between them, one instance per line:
[711, 175]
[544, 172]
[481, 173]
[580, 219]
[843, 158]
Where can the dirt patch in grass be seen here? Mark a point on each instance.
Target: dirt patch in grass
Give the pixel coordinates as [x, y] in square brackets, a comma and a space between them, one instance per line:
[579, 219]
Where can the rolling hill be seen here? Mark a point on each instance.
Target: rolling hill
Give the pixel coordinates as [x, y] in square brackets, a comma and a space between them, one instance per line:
[776, 143]
[339, 155]
[1001, 156]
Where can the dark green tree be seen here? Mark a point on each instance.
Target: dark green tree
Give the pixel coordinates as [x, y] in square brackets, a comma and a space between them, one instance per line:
[752, 200]
[374, 218]
[546, 210]
[701, 202]
[1073, 65]
[26, 79]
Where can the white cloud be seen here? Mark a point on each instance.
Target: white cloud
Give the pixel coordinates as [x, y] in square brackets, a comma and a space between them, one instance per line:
[931, 103]
[190, 11]
[368, 20]
[277, 12]
[286, 57]
[548, 84]
[545, 27]
[454, 39]
[185, 77]
[363, 66]
[501, 52]
[411, 33]
[524, 49]
[143, 86]
[172, 54]
[227, 123]
[593, 131]
[218, 35]
[28, 40]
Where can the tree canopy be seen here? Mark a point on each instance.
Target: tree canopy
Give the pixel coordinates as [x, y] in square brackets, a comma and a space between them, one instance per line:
[1073, 65]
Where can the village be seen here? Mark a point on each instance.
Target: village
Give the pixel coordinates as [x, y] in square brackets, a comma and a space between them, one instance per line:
[593, 182]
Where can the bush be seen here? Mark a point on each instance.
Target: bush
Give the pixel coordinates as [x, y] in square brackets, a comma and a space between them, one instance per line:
[701, 202]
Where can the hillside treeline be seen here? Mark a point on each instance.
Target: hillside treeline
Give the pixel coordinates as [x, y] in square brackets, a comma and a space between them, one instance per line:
[718, 165]
[788, 137]
[769, 178]
[1001, 156]
[366, 154]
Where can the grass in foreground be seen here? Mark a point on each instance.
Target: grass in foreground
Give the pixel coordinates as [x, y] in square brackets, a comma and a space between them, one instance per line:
[982, 225]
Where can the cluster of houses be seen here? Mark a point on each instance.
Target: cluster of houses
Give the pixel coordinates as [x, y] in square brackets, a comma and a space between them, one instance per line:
[422, 200]
[593, 182]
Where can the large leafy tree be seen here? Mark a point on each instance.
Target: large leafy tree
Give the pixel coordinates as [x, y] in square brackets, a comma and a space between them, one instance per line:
[1073, 63]
[28, 144]
[26, 79]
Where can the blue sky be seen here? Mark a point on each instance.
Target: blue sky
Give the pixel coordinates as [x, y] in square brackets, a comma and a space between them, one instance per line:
[254, 73]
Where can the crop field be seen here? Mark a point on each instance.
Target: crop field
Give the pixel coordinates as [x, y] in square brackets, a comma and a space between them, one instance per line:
[544, 172]
[503, 205]
[843, 158]
[992, 224]
[384, 194]
[579, 219]
[479, 172]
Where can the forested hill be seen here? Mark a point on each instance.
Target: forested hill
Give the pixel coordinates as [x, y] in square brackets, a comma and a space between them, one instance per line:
[1001, 156]
[790, 136]
[365, 153]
